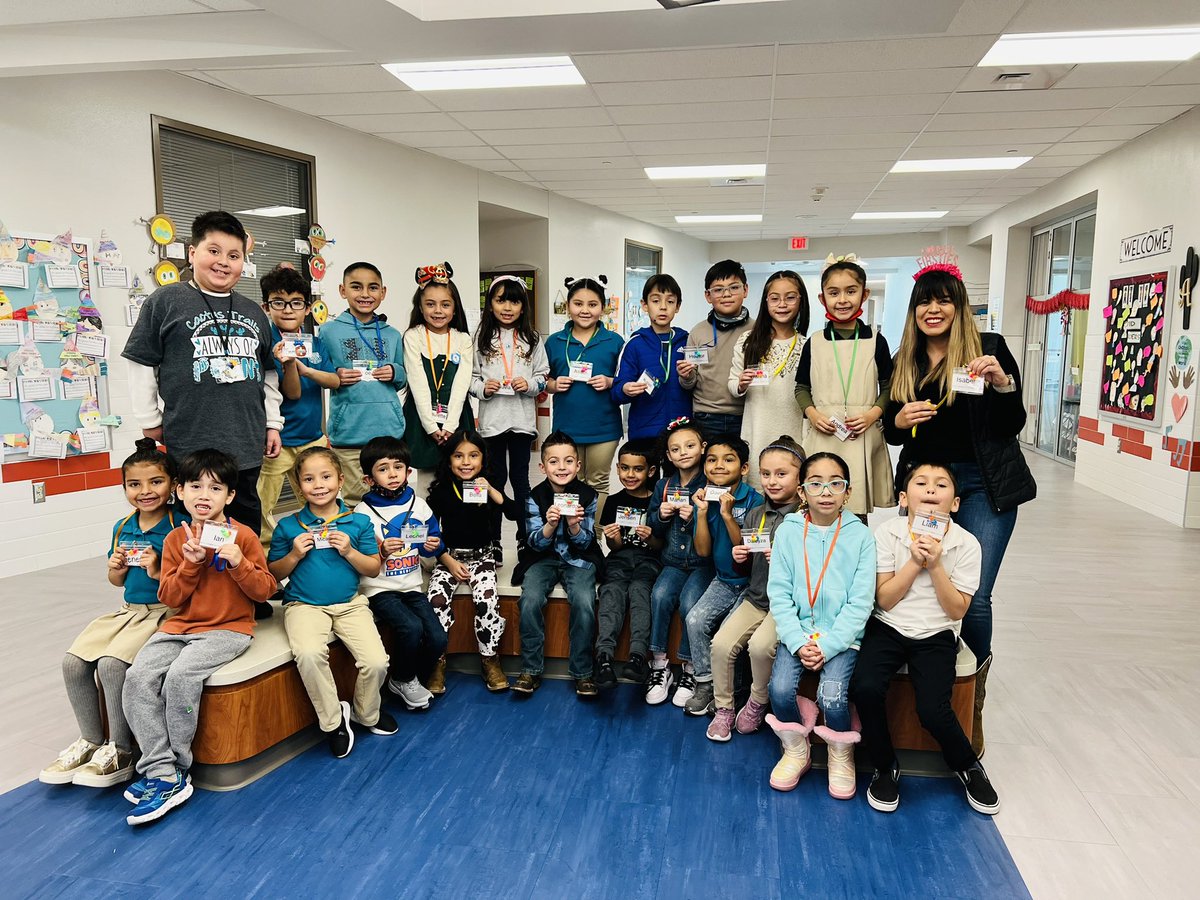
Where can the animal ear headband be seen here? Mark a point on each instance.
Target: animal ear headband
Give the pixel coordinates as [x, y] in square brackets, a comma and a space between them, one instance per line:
[439, 273]
[571, 279]
[938, 259]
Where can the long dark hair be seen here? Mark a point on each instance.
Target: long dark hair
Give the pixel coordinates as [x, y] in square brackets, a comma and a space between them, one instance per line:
[443, 475]
[759, 340]
[683, 423]
[489, 325]
[458, 323]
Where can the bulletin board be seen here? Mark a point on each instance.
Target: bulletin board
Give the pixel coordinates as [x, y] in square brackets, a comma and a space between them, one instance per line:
[54, 398]
[1134, 330]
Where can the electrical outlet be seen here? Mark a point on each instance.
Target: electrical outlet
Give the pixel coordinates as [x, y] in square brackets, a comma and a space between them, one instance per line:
[39, 492]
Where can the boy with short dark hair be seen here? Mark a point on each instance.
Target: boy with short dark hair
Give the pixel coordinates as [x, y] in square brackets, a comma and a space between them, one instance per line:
[206, 351]
[560, 546]
[213, 571]
[631, 568]
[928, 569]
[303, 372]
[367, 355]
[704, 369]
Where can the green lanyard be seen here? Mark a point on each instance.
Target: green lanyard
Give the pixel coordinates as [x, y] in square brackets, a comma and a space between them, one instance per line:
[567, 346]
[847, 379]
[667, 347]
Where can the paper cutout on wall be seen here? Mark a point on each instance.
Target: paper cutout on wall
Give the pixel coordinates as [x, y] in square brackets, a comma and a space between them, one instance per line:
[45, 304]
[320, 312]
[1135, 322]
[6, 310]
[107, 253]
[89, 412]
[166, 272]
[317, 238]
[8, 245]
[110, 421]
[18, 441]
[56, 252]
[26, 360]
[1183, 351]
[36, 419]
[162, 229]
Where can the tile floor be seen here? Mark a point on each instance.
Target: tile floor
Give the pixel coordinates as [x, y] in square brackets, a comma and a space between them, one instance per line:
[1093, 723]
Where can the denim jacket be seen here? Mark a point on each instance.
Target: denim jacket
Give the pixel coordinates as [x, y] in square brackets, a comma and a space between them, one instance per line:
[679, 549]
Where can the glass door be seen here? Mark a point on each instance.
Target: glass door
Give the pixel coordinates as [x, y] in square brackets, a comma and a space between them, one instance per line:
[1035, 334]
[1075, 321]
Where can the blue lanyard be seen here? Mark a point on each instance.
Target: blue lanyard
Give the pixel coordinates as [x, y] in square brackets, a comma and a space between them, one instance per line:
[380, 356]
[716, 334]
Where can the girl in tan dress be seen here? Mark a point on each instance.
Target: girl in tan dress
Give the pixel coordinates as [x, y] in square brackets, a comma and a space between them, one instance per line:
[108, 645]
[842, 386]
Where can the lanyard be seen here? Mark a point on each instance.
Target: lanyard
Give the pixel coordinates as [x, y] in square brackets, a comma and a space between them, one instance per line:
[126, 520]
[377, 348]
[405, 514]
[583, 346]
[508, 367]
[846, 380]
[325, 523]
[667, 347]
[788, 355]
[935, 406]
[716, 334]
[761, 523]
[437, 379]
[812, 595]
[212, 312]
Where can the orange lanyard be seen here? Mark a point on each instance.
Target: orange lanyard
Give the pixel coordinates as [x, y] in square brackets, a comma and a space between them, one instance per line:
[812, 595]
[327, 522]
[508, 369]
[437, 379]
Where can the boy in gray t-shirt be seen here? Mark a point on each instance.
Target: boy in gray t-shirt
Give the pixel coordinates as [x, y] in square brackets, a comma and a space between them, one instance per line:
[205, 350]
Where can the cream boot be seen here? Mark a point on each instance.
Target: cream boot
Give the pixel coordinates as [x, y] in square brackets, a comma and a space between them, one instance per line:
[842, 782]
[796, 759]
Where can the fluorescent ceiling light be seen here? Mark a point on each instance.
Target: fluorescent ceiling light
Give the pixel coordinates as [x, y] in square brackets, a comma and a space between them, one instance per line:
[659, 173]
[472, 74]
[975, 164]
[271, 212]
[919, 214]
[1070, 47]
[712, 220]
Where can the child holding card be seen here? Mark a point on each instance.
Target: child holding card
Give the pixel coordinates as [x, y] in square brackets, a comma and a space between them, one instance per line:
[560, 521]
[368, 356]
[646, 377]
[106, 647]
[303, 371]
[323, 550]
[407, 532]
[842, 386]
[631, 569]
[583, 361]
[439, 356]
[212, 573]
[466, 504]
[924, 586]
[750, 624]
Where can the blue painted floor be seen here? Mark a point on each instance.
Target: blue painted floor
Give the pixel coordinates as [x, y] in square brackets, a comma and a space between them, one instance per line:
[493, 796]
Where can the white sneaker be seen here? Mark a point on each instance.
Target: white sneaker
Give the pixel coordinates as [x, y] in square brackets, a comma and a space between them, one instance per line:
[62, 770]
[108, 766]
[659, 685]
[687, 687]
[414, 694]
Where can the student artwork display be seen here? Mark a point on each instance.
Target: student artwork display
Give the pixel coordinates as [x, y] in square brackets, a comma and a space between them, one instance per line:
[53, 350]
[1134, 331]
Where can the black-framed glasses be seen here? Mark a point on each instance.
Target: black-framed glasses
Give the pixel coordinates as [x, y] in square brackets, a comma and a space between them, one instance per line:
[836, 486]
[281, 305]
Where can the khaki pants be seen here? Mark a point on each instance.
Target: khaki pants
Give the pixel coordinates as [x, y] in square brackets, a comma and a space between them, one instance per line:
[354, 487]
[308, 629]
[595, 466]
[747, 624]
[270, 484]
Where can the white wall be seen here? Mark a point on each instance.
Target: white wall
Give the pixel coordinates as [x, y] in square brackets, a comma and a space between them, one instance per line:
[1150, 182]
[85, 143]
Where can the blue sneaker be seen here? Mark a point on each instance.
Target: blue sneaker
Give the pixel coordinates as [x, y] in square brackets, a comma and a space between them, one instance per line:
[160, 798]
[136, 791]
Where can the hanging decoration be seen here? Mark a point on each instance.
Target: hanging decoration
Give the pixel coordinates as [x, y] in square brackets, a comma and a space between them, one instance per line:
[1064, 299]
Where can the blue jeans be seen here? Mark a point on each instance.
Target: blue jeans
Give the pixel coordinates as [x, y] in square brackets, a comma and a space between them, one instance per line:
[992, 530]
[580, 585]
[675, 589]
[713, 424]
[704, 620]
[833, 689]
[420, 639]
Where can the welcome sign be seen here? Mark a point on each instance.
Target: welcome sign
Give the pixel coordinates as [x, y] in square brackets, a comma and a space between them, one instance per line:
[1149, 243]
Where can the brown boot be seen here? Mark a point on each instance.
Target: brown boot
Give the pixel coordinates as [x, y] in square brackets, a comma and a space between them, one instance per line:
[493, 675]
[980, 695]
[437, 681]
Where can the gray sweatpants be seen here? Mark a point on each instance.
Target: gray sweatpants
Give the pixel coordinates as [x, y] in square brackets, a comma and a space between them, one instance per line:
[628, 580]
[162, 694]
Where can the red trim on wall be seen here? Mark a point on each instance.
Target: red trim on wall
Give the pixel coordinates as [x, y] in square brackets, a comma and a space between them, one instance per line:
[90, 462]
[105, 478]
[1134, 449]
[1088, 434]
[65, 484]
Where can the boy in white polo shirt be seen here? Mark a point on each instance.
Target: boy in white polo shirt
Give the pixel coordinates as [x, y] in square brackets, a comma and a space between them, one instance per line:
[927, 569]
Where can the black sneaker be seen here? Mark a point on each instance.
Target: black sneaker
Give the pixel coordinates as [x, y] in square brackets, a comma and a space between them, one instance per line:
[638, 668]
[585, 687]
[527, 683]
[884, 792]
[386, 725]
[606, 677]
[341, 739]
[980, 793]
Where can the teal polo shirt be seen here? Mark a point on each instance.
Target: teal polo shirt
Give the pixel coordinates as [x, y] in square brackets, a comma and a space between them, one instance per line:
[140, 587]
[323, 577]
[744, 499]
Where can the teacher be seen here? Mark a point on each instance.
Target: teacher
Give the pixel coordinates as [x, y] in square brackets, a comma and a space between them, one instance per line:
[975, 433]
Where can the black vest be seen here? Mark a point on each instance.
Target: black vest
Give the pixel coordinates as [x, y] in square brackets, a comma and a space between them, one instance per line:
[543, 496]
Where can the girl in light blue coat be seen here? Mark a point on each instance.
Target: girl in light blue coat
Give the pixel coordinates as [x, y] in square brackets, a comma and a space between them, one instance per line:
[822, 590]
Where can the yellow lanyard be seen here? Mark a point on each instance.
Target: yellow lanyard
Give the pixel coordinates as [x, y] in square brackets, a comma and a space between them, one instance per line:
[786, 356]
[126, 520]
[935, 406]
[437, 379]
[327, 522]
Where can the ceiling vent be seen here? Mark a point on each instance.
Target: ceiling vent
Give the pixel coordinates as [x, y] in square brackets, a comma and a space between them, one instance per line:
[737, 181]
[1031, 78]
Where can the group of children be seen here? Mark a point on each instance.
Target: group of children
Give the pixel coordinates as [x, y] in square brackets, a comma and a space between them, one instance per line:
[398, 482]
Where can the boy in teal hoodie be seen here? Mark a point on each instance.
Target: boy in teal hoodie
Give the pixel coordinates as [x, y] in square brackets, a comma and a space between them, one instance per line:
[368, 355]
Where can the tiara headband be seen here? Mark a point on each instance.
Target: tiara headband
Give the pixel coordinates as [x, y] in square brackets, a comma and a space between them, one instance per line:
[792, 450]
[938, 259]
[845, 258]
[438, 273]
[573, 279]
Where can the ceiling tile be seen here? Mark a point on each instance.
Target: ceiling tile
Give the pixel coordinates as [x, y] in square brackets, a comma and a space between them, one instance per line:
[308, 80]
[858, 107]
[740, 145]
[1074, 148]
[599, 176]
[737, 157]
[715, 133]
[827, 141]
[550, 136]
[912, 81]
[432, 139]
[373, 124]
[372, 102]
[660, 65]
[566, 117]
[1139, 115]
[866, 56]
[705, 90]
[623, 163]
[1184, 73]
[848, 125]
[1058, 118]
[1095, 75]
[1109, 133]
[1165, 95]
[667, 114]
[471, 154]
[973, 138]
[513, 98]
[600, 150]
[1034, 100]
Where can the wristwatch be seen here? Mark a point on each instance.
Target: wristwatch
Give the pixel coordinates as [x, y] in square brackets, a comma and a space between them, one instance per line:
[1010, 385]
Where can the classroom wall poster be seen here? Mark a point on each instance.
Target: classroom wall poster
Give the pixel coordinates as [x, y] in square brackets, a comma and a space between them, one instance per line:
[1134, 331]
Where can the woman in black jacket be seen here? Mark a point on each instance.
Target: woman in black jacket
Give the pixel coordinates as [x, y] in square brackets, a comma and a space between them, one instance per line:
[975, 432]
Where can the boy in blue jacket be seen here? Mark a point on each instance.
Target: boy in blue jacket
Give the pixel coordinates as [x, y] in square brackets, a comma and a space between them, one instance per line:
[646, 377]
[368, 356]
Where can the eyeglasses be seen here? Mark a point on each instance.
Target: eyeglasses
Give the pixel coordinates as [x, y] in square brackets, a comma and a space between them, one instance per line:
[783, 298]
[837, 486]
[726, 291]
[287, 304]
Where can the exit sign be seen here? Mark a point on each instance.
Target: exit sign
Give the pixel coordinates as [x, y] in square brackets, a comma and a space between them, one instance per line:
[799, 243]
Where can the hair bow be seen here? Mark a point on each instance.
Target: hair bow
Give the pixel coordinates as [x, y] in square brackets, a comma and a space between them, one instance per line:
[438, 273]
[844, 258]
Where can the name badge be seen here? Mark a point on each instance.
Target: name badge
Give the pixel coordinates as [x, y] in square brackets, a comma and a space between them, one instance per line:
[934, 524]
[649, 381]
[295, 345]
[678, 497]
[814, 636]
[414, 533]
[964, 381]
[228, 370]
[712, 492]
[696, 355]
[761, 378]
[505, 389]
[474, 492]
[216, 535]
[629, 516]
[320, 535]
[364, 366]
[569, 504]
[135, 553]
[756, 542]
[440, 412]
[581, 371]
[840, 430]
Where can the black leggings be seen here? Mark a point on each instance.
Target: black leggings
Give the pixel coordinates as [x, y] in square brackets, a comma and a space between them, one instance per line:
[508, 461]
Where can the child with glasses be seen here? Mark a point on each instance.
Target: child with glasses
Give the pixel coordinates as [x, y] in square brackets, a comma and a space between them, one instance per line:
[822, 589]
[303, 372]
